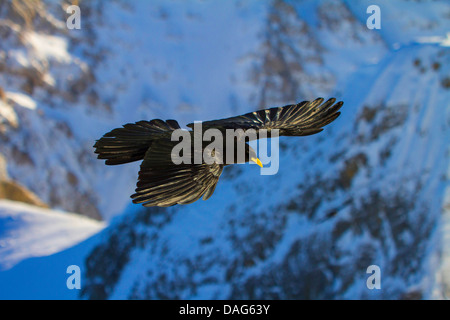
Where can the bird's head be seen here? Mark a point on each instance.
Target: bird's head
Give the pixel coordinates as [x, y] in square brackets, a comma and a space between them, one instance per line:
[251, 155]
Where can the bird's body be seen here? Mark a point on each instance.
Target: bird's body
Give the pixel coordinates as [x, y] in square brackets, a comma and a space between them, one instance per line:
[163, 181]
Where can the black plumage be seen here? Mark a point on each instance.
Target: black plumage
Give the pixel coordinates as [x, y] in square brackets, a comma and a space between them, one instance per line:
[163, 183]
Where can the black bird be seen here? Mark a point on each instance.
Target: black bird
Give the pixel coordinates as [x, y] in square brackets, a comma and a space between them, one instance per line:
[163, 183]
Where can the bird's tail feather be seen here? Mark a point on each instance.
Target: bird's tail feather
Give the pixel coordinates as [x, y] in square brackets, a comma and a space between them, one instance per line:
[130, 143]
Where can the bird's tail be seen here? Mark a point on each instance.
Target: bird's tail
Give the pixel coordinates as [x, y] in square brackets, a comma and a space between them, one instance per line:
[130, 143]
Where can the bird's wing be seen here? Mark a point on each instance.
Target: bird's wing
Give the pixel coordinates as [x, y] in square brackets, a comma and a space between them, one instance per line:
[305, 118]
[130, 143]
[163, 183]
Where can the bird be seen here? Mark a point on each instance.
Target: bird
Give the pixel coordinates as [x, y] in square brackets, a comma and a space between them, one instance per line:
[164, 183]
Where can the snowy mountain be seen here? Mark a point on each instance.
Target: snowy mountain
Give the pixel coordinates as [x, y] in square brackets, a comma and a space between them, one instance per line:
[369, 190]
[37, 245]
[28, 231]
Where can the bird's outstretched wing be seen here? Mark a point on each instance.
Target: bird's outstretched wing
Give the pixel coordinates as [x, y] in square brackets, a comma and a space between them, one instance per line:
[130, 143]
[303, 119]
[163, 183]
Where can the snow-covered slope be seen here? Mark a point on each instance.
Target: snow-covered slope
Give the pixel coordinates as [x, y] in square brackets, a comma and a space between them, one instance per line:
[27, 231]
[312, 236]
[369, 190]
[43, 118]
[37, 246]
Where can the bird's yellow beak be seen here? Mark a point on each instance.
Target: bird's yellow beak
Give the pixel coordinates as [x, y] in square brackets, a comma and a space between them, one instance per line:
[257, 161]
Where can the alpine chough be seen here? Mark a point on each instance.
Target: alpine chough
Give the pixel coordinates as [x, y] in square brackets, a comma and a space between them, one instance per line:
[163, 183]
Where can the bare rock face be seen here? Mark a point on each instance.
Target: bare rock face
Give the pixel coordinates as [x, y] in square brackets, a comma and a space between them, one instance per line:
[3, 172]
[12, 190]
